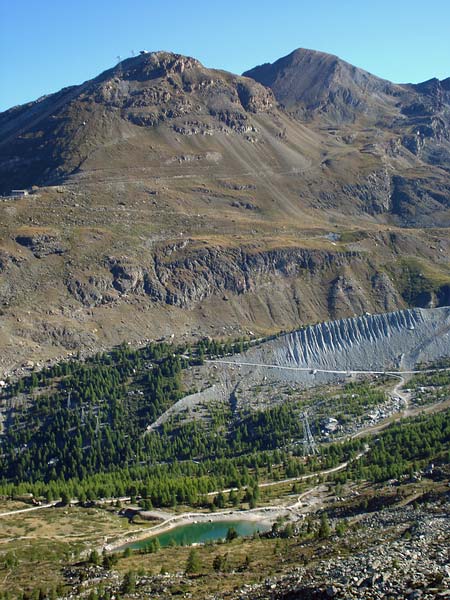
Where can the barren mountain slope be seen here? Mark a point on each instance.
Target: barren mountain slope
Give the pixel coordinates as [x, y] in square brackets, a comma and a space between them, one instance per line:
[179, 199]
[308, 82]
[396, 121]
[139, 115]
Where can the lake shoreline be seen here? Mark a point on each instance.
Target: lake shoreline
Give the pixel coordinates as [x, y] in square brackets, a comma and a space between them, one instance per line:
[265, 516]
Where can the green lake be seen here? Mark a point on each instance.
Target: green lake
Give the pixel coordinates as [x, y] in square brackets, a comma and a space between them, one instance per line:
[199, 533]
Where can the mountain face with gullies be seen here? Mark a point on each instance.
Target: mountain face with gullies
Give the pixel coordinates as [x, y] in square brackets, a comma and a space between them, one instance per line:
[313, 84]
[172, 198]
[402, 120]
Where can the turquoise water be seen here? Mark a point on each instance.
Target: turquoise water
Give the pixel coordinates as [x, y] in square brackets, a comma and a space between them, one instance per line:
[198, 533]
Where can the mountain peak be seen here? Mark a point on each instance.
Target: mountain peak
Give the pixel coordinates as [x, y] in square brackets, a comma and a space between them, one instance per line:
[269, 73]
[69, 130]
[152, 65]
[307, 82]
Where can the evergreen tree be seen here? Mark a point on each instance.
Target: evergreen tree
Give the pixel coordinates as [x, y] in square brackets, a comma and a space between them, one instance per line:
[193, 564]
[94, 558]
[232, 534]
[324, 528]
[220, 562]
[129, 583]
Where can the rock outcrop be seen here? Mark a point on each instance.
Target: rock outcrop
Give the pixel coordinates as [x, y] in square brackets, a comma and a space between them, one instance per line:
[41, 243]
[180, 276]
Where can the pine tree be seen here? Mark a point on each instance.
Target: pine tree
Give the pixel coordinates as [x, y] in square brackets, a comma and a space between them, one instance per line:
[324, 529]
[94, 558]
[232, 534]
[129, 583]
[193, 564]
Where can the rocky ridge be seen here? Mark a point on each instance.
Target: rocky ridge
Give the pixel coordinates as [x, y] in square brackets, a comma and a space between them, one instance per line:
[184, 278]
[307, 81]
[318, 87]
[150, 90]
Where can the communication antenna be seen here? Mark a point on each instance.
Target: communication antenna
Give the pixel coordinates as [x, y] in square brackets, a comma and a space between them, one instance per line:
[119, 65]
[309, 444]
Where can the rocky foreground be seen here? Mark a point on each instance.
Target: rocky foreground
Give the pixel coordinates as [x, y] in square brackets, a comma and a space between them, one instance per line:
[412, 561]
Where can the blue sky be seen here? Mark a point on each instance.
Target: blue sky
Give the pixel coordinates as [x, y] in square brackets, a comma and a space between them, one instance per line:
[48, 44]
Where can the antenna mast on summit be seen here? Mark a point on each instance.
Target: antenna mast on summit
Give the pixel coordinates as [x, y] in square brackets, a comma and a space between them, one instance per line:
[119, 65]
[309, 444]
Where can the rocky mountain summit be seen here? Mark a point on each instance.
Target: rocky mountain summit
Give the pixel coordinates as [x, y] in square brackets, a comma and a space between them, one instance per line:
[401, 127]
[314, 85]
[311, 82]
[169, 197]
[54, 136]
[321, 88]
